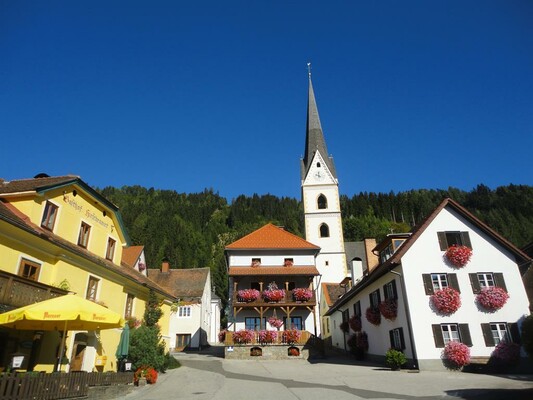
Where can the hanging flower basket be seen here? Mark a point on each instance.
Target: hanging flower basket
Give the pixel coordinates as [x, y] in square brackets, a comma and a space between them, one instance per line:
[458, 255]
[456, 354]
[355, 323]
[274, 295]
[373, 315]
[243, 336]
[267, 337]
[247, 295]
[492, 298]
[291, 336]
[275, 322]
[446, 301]
[389, 309]
[302, 294]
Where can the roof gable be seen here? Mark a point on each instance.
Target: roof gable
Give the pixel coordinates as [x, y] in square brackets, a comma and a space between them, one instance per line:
[271, 237]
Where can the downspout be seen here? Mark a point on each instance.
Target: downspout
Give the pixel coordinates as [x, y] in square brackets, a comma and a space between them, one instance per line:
[408, 316]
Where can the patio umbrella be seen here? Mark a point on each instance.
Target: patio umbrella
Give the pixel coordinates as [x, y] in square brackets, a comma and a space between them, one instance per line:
[124, 343]
[62, 313]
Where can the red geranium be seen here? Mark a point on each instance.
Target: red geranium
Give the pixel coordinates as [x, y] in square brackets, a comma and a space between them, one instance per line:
[355, 323]
[247, 295]
[373, 316]
[274, 294]
[302, 294]
[389, 309]
[268, 336]
[446, 300]
[291, 336]
[458, 255]
[457, 353]
[492, 298]
[243, 336]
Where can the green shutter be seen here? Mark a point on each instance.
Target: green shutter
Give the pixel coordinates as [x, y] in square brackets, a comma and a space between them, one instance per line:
[474, 281]
[464, 334]
[487, 335]
[443, 243]
[437, 335]
[428, 284]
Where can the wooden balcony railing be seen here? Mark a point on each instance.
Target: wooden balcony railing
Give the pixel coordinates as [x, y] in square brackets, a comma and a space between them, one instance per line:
[287, 300]
[305, 336]
[16, 291]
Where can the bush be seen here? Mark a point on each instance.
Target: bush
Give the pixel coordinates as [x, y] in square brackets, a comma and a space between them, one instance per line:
[527, 335]
[395, 358]
[505, 355]
[171, 362]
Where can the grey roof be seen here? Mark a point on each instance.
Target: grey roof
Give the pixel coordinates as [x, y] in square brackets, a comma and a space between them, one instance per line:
[355, 250]
[314, 138]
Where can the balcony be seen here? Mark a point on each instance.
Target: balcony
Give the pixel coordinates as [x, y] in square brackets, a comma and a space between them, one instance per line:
[16, 291]
[305, 336]
[286, 300]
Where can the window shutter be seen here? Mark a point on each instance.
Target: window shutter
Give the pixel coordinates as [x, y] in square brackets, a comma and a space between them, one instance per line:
[402, 340]
[371, 301]
[437, 335]
[465, 238]
[515, 332]
[428, 284]
[443, 243]
[379, 297]
[464, 334]
[487, 335]
[391, 338]
[394, 290]
[474, 281]
[499, 281]
[385, 292]
[453, 282]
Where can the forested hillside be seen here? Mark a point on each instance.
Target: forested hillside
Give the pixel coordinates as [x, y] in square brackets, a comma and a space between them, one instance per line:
[193, 229]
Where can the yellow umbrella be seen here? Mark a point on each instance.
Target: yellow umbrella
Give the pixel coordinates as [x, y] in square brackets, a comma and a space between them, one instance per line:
[63, 313]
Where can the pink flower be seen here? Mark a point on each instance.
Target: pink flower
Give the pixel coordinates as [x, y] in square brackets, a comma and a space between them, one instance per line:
[291, 336]
[446, 301]
[268, 336]
[247, 295]
[302, 294]
[274, 294]
[275, 322]
[373, 316]
[389, 309]
[492, 298]
[458, 255]
[505, 354]
[457, 353]
[355, 323]
[243, 336]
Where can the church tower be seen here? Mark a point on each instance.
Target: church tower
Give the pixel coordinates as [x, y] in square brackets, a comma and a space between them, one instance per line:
[320, 197]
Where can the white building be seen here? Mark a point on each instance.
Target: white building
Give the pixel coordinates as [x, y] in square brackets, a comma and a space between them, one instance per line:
[413, 266]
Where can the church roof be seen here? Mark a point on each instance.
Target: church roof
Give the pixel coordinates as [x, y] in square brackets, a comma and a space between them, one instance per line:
[314, 138]
[271, 237]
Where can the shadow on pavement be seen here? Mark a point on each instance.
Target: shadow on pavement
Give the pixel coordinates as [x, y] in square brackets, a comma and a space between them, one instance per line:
[492, 394]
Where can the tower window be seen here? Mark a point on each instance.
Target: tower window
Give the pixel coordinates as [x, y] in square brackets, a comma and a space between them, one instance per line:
[318, 165]
[324, 230]
[322, 202]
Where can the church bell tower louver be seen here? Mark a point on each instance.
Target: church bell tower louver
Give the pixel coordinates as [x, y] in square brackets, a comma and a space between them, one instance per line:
[320, 197]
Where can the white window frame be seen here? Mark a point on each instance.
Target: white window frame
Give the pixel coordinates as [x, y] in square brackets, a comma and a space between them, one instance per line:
[109, 238]
[500, 332]
[97, 291]
[88, 234]
[57, 208]
[450, 333]
[184, 312]
[439, 281]
[485, 279]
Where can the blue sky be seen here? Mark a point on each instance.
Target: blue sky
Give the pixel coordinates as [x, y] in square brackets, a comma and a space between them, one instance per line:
[193, 95]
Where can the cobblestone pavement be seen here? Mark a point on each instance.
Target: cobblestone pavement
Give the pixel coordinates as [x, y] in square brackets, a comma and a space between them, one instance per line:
[207, 376]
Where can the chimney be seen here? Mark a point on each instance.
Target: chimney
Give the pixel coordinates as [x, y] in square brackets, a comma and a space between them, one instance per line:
[357, 270]
[371, 259]
[165, 265]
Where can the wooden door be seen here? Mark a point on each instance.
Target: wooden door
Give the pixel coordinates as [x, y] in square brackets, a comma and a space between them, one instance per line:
[182, 341]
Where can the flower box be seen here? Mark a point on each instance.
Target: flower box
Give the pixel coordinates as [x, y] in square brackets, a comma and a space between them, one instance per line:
[492, 298]
[373, 315]
[355, 323]
[446, 301]
[458, 255]
[302, 294]
[267, 337]
[457, 355]
[243, 336]
[291, 336]
[247, 295]
[274, 295]
[389, 309]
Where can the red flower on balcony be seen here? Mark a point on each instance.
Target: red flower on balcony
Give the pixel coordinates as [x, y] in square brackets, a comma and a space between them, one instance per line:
[458, 255]
[274, 295]
[446, 301]
[243, 336]
[492, 298]
[373, 316]
[457, 354]
[389, 309]
[247, 295]
[275, 322]
[266, 337]
[355, 323]
[302, 294]
[291, 336]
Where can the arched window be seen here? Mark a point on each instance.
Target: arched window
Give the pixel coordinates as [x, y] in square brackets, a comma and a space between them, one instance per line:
[322, 202]
[324, 230]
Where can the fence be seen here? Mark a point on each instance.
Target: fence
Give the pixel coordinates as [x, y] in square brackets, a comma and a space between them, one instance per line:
[57, 385]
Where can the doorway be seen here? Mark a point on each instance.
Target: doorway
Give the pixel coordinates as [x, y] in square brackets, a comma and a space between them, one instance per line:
[183, 340]
[78, 352]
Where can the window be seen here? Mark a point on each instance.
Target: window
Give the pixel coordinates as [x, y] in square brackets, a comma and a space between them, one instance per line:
[357, 308]
[184, 312]
[49, 216]
[252, 323]
[288, 262]
[496, 332]
[83, 238]
[128, 312]
[438, 281]
[29, 269]
[397, 341]
[322, 202]
[291, 286]
[256, 262]
[327, 325]
[110, 249]
[482, 280]
[389, 290]
[445, 333]
[92, 288]
[183, 340]
[324, 230]
[447, 239]
[295, 323]
[386, 253]
[375, 299]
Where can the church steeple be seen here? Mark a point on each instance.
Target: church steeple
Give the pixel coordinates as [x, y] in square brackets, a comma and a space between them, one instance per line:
[314, 139]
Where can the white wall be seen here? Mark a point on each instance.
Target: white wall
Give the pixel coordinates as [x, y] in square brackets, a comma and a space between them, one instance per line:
[270, 259]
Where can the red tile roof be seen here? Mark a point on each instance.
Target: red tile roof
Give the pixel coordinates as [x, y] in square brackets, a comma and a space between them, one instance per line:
[186, 284]
[294, 270]
[131, 254]
[271, 237]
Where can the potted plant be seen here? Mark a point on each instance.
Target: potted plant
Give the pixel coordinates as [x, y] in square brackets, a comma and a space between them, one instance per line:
[446, 301]
[144, 374]
[273, 294]
[395, 359]
[492, 298]
[288, 263]
[458, 255]
[389, 309]
[456, 355]
[373, 315]
[247, 295]
[293, 352]
[302, 294]
[267, 337]
[275, 322]
[243, 336]
[291, 336]
[355, 323]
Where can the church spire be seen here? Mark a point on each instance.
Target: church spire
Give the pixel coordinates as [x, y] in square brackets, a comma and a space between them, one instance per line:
[314, 138]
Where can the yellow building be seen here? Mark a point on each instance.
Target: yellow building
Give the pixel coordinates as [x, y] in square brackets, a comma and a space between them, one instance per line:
[58, 235]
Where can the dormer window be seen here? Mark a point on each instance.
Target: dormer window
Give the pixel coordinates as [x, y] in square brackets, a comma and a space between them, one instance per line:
[256, 262]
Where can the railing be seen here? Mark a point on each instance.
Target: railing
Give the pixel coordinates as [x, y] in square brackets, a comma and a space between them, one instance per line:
[16, 291]
[305, 336]
[57, 385]
[287, 300]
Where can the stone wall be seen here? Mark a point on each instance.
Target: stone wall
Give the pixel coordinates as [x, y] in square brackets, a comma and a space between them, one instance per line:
[271, 352]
